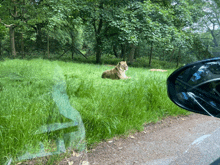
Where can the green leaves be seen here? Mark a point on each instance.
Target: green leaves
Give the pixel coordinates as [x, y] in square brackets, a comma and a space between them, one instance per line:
[100, 25]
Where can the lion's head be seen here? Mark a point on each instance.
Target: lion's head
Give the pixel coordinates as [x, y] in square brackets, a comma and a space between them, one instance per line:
[122, 66]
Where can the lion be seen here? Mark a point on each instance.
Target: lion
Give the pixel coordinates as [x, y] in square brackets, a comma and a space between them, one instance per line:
[118, 72]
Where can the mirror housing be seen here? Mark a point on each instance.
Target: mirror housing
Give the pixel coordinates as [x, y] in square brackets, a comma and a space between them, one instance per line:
[196, 87]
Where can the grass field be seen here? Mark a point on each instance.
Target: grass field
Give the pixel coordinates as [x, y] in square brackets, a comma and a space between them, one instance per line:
[108, 107]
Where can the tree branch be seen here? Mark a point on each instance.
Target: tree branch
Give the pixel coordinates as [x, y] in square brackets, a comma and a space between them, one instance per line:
[94, 25]
[8, 26]
[77, 50]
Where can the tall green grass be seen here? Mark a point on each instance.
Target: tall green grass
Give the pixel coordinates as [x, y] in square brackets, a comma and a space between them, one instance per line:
[111, 107]
[108, 107]
[25, 105]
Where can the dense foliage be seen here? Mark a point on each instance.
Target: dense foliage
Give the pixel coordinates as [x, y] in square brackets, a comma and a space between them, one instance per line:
[166, 30]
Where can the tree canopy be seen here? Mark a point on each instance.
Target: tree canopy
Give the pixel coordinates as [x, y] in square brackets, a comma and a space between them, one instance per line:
[126, 29]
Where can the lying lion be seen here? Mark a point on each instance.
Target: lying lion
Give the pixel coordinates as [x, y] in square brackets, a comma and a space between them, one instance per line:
[118, 72]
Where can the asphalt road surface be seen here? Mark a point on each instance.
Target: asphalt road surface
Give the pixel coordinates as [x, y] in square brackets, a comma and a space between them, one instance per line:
[190, 140]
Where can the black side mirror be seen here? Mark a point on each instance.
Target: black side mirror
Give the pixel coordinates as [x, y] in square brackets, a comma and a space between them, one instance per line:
[196, 87]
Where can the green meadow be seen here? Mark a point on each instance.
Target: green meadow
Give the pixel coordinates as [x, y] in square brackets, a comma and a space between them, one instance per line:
[108, 108]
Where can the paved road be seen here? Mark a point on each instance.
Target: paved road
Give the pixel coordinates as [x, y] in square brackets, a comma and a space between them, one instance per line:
[178, 140]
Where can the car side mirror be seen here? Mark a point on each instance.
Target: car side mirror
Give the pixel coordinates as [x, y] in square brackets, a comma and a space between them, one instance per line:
[196, 87]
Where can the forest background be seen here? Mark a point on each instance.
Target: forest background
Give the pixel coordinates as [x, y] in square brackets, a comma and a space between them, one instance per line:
[170, 32]
[180, 31]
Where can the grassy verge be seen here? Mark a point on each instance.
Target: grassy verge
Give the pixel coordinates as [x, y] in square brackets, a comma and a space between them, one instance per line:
[108, 108]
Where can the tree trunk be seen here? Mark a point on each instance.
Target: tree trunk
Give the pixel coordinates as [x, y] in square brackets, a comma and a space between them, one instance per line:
[115, 51]
[151, 53]
[163, 55]
[122, 51]
[131, 54]
[48, 45]
[0, 48]
[172, 54]
[72, 46]
[98, 50]
[98, 36]
[12, 39]
[178, 58]
[136, 52]
[214, 38]
[22, 45]
[72, 51]
[39, 37]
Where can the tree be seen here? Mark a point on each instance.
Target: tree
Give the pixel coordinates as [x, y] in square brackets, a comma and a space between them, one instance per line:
[111, 20]
[201, 47]
[66, 26]
[210, 23]
[3, 32]
[119, 27]
[24, 14]
[11, 20]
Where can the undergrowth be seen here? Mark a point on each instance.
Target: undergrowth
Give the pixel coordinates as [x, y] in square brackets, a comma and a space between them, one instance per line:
[111, 59]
